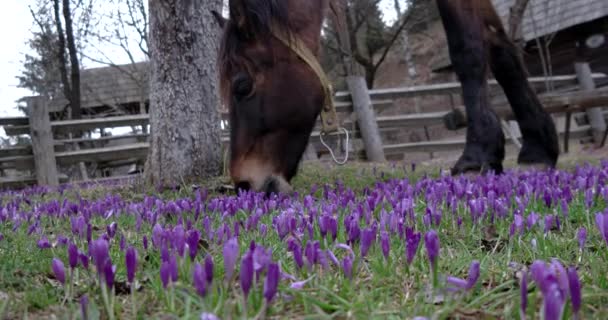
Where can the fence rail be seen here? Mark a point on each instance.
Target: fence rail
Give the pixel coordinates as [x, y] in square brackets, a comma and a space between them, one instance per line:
[125, 149]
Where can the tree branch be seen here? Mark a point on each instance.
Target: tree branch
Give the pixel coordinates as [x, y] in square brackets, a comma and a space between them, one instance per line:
[392, 41]
[63, 69]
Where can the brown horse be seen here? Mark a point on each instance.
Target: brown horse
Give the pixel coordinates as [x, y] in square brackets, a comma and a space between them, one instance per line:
[274, 97]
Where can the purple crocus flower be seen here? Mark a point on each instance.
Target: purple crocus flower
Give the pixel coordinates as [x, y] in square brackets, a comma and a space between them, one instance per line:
[62, 240]
[84, 306]
[261, 259]
[272, 281]
[123, 242]
[412, 241]
[73, 255]
[44, 243]
[582, 237]
[553, 296]
[179, 239]
[209, 269]
[99, 250]
[575, 290]
[192, 241]
[145, 242]
[246, 276]
[532, 220]
[518, 225]
[368, 236]
[59, 270]
[231, 252]
[84, 260]
[109, 272]
[431, 242]
[209, 316]
[111, 229]
[173, 268]
[299, 285]
[553, 300]
[471, 279]
[385, 243]
[601, 220]
[165, 273]
[347, 266]
[524, 296]
[200, 283]
[131, 263]
[296, 250]
[548, 223]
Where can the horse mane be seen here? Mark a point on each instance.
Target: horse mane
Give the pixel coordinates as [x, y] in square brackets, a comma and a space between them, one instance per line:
[261, 17]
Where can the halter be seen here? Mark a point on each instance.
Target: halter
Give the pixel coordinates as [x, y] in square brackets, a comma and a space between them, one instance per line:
[329, 118]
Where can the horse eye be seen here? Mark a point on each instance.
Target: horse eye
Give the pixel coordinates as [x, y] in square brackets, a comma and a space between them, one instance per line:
[242, 86]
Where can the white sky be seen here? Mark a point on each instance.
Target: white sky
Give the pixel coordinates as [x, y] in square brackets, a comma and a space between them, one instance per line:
[16, 24]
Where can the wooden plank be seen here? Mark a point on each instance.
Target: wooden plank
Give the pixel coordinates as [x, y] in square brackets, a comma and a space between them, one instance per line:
[445, 88]
[16, 130]
[42, 142]
[15, 151]
[570, 102]
[23, 181]
[18, 162]
[16, 182]
[457, 144]
[135, 150]
[582, 119]
[67, 126]
[14, 121]
[109, 122]
[138, 136]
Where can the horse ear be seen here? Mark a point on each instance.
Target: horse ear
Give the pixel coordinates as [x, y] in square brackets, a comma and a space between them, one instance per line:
[221, 21]
[238, 13]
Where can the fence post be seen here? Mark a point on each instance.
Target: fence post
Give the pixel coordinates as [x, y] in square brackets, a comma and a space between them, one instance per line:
[362, 106]
[42, 142]
[595, 115]
[310, 154]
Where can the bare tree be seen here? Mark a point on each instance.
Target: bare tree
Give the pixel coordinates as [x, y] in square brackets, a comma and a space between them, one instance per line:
[185, 141]
[125, 27]
[370, 38]
[516, 16]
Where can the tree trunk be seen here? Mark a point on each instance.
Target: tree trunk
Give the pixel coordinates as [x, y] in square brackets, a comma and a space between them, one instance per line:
[185, 143]
[74, 63]
[63, 64]
[516, 16]
[357, 85]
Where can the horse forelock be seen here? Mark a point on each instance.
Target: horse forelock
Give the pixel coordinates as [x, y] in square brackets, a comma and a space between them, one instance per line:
[261, 16]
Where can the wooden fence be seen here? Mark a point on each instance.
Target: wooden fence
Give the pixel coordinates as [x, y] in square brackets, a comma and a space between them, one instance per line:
[46, 152]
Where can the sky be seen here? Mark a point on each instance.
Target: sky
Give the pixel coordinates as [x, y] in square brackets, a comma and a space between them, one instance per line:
[16, 24]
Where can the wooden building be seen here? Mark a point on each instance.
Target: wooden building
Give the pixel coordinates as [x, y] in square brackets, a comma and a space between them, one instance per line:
[557, 33]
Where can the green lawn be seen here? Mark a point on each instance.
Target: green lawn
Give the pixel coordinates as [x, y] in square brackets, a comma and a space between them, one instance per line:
[380, 288]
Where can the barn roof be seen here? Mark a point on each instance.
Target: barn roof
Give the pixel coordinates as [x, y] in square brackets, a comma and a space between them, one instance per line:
[110, 86]
[541, 18]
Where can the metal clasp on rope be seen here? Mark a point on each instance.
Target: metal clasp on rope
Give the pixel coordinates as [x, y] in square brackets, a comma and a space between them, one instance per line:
[329, 122]
[329, 117]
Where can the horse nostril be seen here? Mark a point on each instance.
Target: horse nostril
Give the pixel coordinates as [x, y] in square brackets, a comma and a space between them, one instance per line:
[271, 186]
[243, 186]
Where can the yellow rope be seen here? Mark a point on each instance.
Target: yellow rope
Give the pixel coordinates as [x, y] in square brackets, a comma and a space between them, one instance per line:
[329, 118]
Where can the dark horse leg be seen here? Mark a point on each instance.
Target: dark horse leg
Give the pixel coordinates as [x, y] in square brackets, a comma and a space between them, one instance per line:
[540, 140]
[485, 141]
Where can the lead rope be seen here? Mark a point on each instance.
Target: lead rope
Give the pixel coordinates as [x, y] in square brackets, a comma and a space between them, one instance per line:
[328, 113]
[331, 152]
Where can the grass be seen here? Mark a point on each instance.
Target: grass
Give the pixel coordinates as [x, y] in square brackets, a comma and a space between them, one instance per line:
[379, 289]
